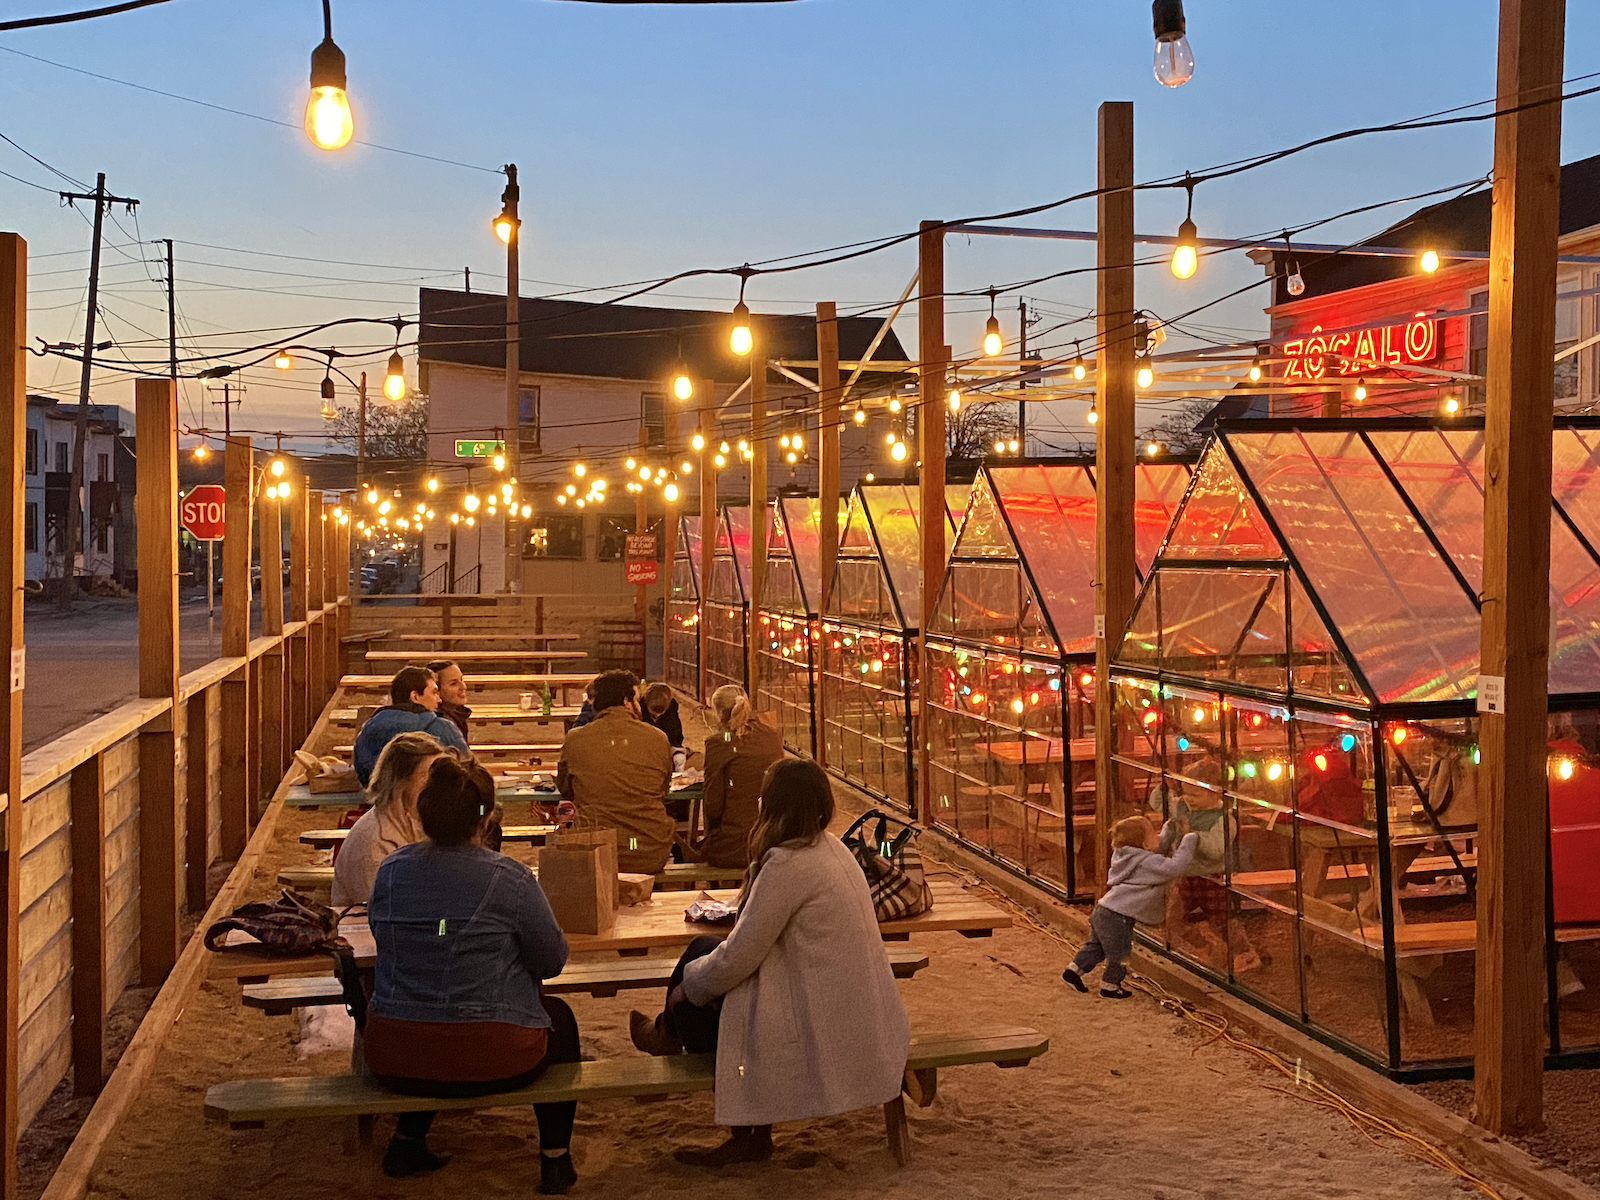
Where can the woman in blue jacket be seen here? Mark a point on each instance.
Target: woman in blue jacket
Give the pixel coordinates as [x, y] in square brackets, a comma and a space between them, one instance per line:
[413, 708]
[464, 936]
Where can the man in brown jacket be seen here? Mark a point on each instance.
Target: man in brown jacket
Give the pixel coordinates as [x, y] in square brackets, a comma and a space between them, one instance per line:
[616, 770]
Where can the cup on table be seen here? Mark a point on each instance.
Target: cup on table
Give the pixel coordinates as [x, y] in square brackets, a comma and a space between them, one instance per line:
[679, 758]
[526, 701]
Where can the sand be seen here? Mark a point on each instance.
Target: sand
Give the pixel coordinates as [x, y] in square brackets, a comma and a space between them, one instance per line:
[1127, 1103]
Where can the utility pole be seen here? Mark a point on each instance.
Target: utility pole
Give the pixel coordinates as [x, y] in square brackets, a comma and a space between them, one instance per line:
[172, 317]
[228, 401]
[513, 581]
[361, 432]
[1022, 384]
[101, 198]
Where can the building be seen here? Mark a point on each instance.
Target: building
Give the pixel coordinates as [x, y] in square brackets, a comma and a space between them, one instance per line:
[595, 389]
[51, 433]
[1379, 336]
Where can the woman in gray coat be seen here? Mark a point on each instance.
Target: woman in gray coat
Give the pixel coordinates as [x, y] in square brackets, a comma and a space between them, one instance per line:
[799, 1003]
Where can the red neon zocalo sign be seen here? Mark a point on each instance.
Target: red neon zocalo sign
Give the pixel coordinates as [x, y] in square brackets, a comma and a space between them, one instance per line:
[1314, 357]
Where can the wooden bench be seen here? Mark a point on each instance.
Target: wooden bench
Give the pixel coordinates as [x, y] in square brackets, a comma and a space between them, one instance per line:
[251, 1103]
[320, 878]
[279, 997]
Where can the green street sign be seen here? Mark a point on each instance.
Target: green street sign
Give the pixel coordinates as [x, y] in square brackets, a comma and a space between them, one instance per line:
[479, 449]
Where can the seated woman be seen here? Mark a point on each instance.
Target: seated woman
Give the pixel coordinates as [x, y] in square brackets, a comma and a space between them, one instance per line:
[391, 822]
[660, 708]
[413, 708]
[464, 936]
[737, 758]
[799, 1003]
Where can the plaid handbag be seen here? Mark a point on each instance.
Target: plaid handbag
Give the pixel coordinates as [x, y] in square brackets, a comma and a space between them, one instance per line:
[291, 924]
[892, 865]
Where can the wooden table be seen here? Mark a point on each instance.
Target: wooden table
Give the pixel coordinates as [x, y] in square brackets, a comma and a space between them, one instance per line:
[488, 656]
[326, 839]
[515, 787]
[479, 637]
[486, 714]
[1021, 752]
[488, 749]
[483, 682]
[656, 924]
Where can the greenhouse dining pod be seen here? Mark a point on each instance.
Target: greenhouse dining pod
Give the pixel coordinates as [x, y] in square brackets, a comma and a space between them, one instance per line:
[1298, 684]
[683, 610]
[725, 609]
[869, 637]
[787, 620]
[1011, 664]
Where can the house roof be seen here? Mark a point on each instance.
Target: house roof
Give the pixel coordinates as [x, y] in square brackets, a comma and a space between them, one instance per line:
[620, 341]
[1461, 223]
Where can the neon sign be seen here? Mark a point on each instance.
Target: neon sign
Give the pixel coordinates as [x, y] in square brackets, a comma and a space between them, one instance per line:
[1316, 356]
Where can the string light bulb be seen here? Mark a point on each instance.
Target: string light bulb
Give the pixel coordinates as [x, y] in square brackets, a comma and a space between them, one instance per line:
[1186, 251]
[670, 493]
[993, 342]
[1147, 374]
[1079, 369]
[1360, 392]
[1451, 406]
[372, 495]
[860, 414]
[720, 460]
[499, 461]
[394, 380]
[202, 452]
[1174, 60]
[1258, 364]
[329, 123]
[954, 400]
[698, 441]
[328, 412]
[1094, 416]
[741, 341]
[894, 404]
[1429, 261]
[682, 385]
[580, 469]
[470, 502]
[433, 483]
[283, 360]
[898, 452]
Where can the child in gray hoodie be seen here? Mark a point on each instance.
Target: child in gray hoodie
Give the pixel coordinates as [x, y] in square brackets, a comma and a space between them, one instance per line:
[1142, 865]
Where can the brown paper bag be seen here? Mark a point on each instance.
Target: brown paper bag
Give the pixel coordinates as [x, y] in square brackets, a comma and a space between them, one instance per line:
[606, 839]
[580, 883]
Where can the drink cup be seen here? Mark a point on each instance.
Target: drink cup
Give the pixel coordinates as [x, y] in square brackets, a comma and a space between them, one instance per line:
[525, 701]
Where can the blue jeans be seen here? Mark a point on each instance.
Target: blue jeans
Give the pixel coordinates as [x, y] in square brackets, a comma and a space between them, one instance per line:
[1110, 941]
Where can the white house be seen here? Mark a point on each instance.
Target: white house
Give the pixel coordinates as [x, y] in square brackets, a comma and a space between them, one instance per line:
[51, 431]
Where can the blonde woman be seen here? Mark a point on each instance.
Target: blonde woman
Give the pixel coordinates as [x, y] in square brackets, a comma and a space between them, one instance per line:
[391, 822]
[737, 757]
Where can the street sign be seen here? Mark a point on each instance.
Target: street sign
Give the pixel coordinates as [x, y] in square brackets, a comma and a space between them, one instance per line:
[204, 512]
[466, 449]
[640, 551]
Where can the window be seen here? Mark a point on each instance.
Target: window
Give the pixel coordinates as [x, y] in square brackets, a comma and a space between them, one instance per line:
[102, 536]
[33, 452]
[103, 468]
[528, 419]
[653, 416]
[555, 536]
[30, 519]
[1566, 338]
[62, 466]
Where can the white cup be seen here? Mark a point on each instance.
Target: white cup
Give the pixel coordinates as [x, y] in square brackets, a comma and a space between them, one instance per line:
[526, 701]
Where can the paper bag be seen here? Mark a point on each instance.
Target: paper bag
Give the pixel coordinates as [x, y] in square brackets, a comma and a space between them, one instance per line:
[580, 883]
[606, 839]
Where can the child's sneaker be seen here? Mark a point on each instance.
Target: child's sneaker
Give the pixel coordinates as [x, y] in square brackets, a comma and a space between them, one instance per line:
[1071, 976]
[1115, 993]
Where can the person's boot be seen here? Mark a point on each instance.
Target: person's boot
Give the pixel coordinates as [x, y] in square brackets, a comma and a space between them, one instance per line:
[747, 1144]
[556, 1174]
[650, 1035]
[408, 1156]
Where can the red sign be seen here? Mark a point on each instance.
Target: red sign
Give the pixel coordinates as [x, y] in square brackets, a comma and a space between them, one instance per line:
[1321, 354]
[204, 512]
[641, 570]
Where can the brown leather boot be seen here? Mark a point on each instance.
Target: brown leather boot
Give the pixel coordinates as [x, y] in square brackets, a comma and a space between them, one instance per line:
[649, 1035]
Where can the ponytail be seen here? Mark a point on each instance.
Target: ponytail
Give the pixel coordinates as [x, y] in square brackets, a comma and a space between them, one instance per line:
[732, 707]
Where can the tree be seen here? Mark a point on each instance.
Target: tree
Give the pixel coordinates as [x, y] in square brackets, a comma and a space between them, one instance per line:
[972, 432]
[393, 430]
[1176, 430]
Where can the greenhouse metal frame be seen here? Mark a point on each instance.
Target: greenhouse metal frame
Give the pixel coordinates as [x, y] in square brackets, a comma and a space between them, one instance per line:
[725, 610]
[683, 610]
[1011, 660]
[1298, 684]
[786, 654]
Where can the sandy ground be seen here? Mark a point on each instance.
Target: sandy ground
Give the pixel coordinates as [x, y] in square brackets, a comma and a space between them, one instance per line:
[1127, 1103]
[1570, 1139]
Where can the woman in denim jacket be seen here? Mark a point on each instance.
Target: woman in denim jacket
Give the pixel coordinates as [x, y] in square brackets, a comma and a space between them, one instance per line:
[464, 936]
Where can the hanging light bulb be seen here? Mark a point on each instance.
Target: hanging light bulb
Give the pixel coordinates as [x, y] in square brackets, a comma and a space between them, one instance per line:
[686, 467]
[455, 518]
[327, 387]
[744, 446]
[499, 462]
[1014, 445]
[527, 511]
[1361, 389]
[394, 381]
[1079, 370]
[698, 441]
[562, 498]
[682, 385]
[470, 502]
[644, 472]
[860, 414]
[1094, 416]
[505, 490]
[580, 469]
[999, 446]
[201, 452]
[741, 341]
[792, 458]
[1258, 365]
[329, 123]
[277, 467]
[670, 493]
[372, 495]
[1174, 61]
[383, 509]
[283, 360]
[720, 461]
[784, 441]
[898, 452]
[1451, 406]
[433, 483]
[1153, 448]
[891, 438]
[1429, 262]
[631, 463]
[894, 404]
[993, 343]
[954, 400]
[598, 485]
[471, 521]
[1186, 253]
[1147, 374]
[328, 411]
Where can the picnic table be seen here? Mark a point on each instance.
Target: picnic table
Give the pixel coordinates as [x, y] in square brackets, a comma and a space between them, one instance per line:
[506, 787]
[480, 637]
[483, 714]
[488, 656]
[326, 839]
[656, 924]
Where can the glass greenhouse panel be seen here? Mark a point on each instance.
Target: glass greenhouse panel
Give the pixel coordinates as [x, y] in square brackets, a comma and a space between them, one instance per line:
[1410, 625]
[1223, 624]
[1320, 668]
[785, 658]
[1219, 519]
[1158, 490]
[683, 612]
[893, 513]
[984, 533]
[1576, 479]
[866, 708]
[1052, 514]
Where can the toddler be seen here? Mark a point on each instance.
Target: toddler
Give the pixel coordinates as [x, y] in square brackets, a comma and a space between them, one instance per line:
[1142, 865]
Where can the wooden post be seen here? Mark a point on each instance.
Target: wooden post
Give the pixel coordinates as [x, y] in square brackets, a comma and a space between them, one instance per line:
[641, 518]
[1114, 444]
[1513, 829]
[670, 513]
[270, 666]
[708, 527]
[13, 388]
[161, 880]
[89, 925]
[316, 578]
[330, 601]
[932, 355]
[758, 502]
[237, 796]
[299, 607]
[197, 736]
[827, 484]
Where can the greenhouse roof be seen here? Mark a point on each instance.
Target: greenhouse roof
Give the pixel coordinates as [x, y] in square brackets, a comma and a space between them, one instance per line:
[686, 584]
[730, 583]
[794, 552]
[883, 526]
[1375, 529]
[1023, 568]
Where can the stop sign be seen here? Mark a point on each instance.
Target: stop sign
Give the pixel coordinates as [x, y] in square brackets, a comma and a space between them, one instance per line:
[204, 512]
